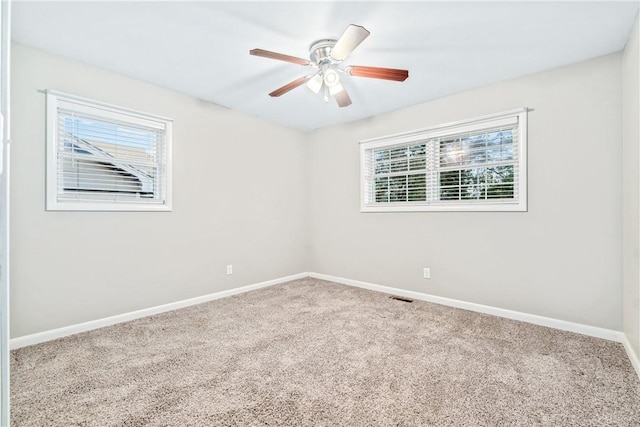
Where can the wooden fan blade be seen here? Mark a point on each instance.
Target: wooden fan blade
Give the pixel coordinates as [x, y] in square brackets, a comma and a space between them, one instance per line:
[278, 56]
[292, 85]
[378, 73]
[342, 98]
[349, 40]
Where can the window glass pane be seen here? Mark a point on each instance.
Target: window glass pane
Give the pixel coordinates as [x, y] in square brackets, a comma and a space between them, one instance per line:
[399, 165]
[472, 181]
[450, 185]
[500, 191]
[473, 156]
[450, 193]
[503, 136]
[381, 161]
[500, 153]
[382, 167]
[417, 163]
[472, 192]
[398, 189]
[478, 148]
[478, 183]
[450, 152]
[382, 190]
[398, 153]
[112, 140]
[474, 142]
[107, 157]
[416, 150]
[400, 159]
[500, 182]
[417, 189]
[382, 155]
[450, 178]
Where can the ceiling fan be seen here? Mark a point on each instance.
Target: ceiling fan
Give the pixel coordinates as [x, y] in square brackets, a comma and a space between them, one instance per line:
[326, 56]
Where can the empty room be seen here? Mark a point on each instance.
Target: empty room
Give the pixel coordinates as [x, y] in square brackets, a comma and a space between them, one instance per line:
[320, 213]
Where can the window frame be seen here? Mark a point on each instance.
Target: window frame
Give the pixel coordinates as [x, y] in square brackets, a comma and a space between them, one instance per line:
[444, 130]
[105, 111]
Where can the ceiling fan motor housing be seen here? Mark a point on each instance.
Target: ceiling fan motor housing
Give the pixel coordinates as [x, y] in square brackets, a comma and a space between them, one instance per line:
[320, 52]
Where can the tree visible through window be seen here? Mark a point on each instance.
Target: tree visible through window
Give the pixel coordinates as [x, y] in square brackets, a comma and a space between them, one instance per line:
[474, 165]
[399, 174]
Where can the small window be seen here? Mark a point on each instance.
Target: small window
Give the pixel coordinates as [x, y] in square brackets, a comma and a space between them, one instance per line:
[472, 165]
[106, 158]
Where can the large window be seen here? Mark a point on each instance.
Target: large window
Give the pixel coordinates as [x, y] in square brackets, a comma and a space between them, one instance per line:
[476, 165]
[103, 157]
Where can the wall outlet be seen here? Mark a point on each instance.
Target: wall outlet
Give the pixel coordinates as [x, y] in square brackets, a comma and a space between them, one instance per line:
[426, 273]
[229, 269]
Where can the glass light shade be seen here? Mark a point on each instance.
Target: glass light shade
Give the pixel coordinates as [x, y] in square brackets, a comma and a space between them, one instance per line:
[315, 84]
[331, 77]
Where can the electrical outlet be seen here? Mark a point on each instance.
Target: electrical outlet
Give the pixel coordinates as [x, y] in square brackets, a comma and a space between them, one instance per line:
[426, 273]
[229, 269]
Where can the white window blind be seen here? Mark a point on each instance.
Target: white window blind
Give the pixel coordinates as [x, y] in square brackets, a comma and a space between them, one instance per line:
[476, 164]
[102, 157]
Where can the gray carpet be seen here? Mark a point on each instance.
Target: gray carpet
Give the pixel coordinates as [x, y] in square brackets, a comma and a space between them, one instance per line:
[315, 353]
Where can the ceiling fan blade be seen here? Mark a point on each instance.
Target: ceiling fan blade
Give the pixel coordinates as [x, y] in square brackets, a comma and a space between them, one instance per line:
[341, 95]
[378, 73]
[349, 40]
[291, 85]
[278, 56]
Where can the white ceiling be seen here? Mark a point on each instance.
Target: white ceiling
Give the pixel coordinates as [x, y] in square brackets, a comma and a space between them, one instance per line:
[202, 48]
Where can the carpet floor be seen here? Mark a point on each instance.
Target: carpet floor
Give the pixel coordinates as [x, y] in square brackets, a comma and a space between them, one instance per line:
[316, 353]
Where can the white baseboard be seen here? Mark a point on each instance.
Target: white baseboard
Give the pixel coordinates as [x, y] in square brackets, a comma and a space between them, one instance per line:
[593, 331]
[632, 355]
[125, 317]
[564, 325]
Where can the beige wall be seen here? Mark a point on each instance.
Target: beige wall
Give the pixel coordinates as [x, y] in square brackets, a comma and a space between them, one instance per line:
[560, 259]
[631, 188]
[239, 198]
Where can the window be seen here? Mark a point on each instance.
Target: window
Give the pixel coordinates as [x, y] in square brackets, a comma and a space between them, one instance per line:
[472, 165]
[105, 158]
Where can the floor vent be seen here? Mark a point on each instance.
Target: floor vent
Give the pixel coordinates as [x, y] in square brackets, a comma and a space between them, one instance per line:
[401, 299]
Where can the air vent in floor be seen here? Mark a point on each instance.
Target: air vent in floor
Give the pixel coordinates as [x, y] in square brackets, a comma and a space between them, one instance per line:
[401, 299]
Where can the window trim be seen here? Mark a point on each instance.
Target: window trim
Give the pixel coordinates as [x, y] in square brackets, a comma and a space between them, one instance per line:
[417, 135]
[108, 111]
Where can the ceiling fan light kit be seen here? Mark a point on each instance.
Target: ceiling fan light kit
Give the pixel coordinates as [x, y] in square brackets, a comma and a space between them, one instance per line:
[326, 55]
[331, 77]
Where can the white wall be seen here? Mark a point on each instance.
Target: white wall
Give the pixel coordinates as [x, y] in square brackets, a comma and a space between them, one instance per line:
[239, 198]
[561, 259]
[631, 188]
[241, 189]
